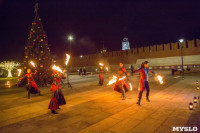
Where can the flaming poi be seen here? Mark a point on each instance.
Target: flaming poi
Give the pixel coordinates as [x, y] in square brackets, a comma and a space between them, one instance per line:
[57, 68]
[8, 84]
[160, 79]
[100, 64]
[67, 59]
[32, 63]
[19, 72]
[114, 80]
[130, 85]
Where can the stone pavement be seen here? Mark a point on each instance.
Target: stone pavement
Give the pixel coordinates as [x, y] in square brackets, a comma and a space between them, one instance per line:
[98, 109]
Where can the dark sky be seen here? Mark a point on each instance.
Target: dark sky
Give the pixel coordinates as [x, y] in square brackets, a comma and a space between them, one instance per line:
[92, 22]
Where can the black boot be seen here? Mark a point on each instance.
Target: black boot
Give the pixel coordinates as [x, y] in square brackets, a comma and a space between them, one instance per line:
[40, 94]
[53, 112]
[138, 103]
[28, 95]
[139, 98]
[123, 97]
[147, 99]
[123, 93]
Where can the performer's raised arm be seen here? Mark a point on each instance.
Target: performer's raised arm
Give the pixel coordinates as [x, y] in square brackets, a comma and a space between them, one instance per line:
[137, 71]
[35, 72]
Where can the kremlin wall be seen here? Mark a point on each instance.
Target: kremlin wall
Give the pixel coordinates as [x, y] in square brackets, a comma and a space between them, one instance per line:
[161, 56]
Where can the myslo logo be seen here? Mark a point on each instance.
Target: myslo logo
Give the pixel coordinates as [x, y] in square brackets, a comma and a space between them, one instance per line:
[194, 129]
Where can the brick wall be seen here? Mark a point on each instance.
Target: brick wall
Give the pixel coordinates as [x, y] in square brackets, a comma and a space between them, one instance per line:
[190, 47]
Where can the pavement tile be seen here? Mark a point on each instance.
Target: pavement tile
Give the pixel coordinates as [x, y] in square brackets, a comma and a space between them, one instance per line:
[147, 126]
[100, 126]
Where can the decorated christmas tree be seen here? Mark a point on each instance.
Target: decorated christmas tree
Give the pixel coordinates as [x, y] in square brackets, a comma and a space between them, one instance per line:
[37, 50]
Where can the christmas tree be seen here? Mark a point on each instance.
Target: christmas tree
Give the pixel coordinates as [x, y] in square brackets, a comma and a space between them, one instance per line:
[37, 50]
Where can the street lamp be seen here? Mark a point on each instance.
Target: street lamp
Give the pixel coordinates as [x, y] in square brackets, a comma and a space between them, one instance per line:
[70, 38]
[180, 42]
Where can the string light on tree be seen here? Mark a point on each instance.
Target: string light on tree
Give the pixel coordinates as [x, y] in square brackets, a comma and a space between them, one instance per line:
[9, 66]
[19, 72]
[37, 49]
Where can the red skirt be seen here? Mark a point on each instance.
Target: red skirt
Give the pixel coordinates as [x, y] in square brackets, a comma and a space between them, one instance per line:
[53, 105]
[119, 85]
[34, 85]
[101, 76]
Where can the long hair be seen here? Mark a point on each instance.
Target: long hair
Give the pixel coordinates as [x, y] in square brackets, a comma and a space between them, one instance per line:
[142, 65]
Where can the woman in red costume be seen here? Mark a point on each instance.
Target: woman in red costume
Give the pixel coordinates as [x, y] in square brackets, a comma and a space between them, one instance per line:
[144, 84]
[32, 87]
[58, 97]
[101, 76]
[121, 85]
[53, 105]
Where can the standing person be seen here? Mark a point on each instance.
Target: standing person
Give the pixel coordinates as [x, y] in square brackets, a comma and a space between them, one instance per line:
[60, 98]
[81, 71]
[53, 105]
[84, 70]
[101, 76]
[144, 84]
[121, 85]
[32, 87]
[132, 69]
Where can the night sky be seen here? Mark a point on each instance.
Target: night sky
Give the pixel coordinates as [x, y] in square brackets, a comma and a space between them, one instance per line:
[92, 22]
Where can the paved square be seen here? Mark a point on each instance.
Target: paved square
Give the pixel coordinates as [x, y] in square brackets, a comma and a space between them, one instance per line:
[97, 109]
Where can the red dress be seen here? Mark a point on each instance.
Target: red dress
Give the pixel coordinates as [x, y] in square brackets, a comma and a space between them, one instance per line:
[32, 86]
[101, 74]
[121, 83]
[60, 96]
[101, 77]
[53, 105]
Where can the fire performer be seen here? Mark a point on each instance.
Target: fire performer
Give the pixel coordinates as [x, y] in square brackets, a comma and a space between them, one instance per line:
[32, 87]
[121, 85]
[101, 76]
[58, 97]
[143, 83]
[53, 105]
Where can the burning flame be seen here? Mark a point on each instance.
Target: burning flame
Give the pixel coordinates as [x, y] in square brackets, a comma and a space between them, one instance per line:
[8, 84]
[114, 80]
[32, 63]
[19, 72]
[160, 79]
[67, 59]
[106, 68]
[57, 68]
[130, 85]
[100, 64]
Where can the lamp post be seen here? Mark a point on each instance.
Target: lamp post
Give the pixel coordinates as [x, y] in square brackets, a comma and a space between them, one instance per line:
[180, 42]
[70, 38]
[81, 63]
